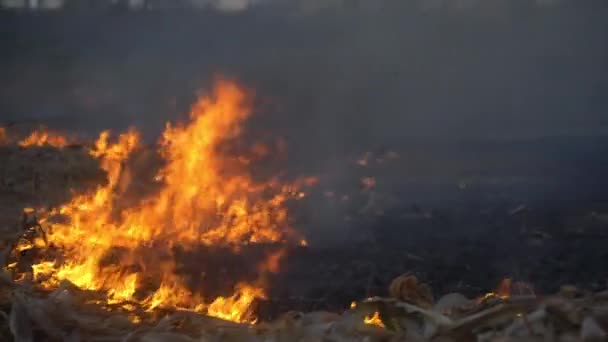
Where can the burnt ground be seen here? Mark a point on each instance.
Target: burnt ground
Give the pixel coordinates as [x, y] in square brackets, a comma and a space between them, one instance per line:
[460, 233]
[543, 248]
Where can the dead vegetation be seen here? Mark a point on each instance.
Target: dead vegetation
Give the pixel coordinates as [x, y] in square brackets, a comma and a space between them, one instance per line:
[67, 313]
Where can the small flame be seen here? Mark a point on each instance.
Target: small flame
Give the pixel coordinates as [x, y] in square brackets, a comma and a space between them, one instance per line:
[503, 291]
[43, 137]
[43, 269]
[236, 308]
[374, 320]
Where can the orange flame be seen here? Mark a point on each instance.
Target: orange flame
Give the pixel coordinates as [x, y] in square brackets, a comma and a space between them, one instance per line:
[237, 307]
[374, 320]
[206, 198]
[503, 291]
[43, 137]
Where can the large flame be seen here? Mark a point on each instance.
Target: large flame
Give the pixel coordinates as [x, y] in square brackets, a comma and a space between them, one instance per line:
[206, 198]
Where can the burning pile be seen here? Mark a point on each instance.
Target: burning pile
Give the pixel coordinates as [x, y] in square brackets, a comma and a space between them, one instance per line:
[206, 198]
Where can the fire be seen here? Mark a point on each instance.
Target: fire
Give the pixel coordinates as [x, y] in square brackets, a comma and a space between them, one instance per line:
[503, 291]
[43, 137]
[508, 288]
[206, 198]
[374, 320]
[237, 307]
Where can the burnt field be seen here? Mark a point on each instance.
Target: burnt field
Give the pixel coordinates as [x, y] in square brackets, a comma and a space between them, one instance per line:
[509, 209]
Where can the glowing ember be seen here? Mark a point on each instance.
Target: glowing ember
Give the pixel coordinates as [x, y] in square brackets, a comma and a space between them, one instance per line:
[205, 198]
[44, 137]
[374, 320]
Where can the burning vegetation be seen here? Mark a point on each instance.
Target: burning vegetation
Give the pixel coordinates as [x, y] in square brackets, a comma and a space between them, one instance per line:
[205, 199]
[374, 320]
[41, 136]
[44, 138]
[109, 264]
